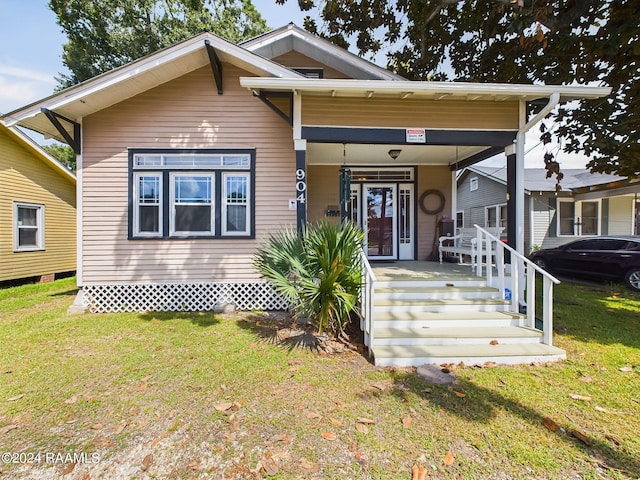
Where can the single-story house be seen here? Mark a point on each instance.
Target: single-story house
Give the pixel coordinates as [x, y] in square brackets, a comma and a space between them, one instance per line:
[587, 204]
[37, 211]
[188, 158]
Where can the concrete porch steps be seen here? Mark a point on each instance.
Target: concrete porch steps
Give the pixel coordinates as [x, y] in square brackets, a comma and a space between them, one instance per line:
[449, 319]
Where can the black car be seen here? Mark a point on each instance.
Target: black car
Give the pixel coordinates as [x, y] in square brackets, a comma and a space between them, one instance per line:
[614, 258]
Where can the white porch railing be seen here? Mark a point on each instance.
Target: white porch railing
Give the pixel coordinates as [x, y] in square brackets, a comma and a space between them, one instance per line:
[521, 282]
[366, 299]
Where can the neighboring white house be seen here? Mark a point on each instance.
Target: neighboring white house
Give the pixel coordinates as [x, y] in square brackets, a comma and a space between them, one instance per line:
[588, 204]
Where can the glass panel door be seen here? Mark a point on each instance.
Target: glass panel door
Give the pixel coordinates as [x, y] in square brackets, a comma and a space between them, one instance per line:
[380, 217]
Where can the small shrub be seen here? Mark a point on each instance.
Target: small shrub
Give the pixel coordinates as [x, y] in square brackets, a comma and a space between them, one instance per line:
[318, 272]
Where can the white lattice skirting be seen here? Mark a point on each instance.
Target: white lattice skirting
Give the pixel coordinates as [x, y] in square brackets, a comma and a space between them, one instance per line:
[179, 297]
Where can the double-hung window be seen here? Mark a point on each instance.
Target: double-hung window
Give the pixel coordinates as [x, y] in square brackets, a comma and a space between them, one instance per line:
[578, 218]
[191, 193]
[28, 227]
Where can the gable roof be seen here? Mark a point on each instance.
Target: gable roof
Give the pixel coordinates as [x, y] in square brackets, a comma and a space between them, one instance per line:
[138, 76]
[293, 38]
[26, 142]
[535, 178]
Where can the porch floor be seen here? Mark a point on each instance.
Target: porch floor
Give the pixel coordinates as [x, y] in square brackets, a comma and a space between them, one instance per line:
[421, 270]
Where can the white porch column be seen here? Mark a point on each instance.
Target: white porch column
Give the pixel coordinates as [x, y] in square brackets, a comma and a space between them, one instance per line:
[519, 179]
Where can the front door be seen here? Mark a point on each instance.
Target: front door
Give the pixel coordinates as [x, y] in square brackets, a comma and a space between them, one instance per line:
[379, 217]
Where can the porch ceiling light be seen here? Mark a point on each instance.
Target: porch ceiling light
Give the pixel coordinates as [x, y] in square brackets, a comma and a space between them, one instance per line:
[394, 153]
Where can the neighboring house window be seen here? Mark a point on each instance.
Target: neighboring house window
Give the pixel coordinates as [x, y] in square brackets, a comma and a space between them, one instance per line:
[460, 219]
[191, 193]
[496, 216]
[473, 183]
[578, 218]
[29, 226]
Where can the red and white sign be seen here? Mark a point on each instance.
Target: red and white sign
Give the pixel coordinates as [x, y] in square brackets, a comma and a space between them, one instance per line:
[416, 135]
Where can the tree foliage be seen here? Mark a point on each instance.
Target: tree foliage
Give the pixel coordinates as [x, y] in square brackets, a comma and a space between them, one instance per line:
[63, 153]
[105, 34]
[594, 42]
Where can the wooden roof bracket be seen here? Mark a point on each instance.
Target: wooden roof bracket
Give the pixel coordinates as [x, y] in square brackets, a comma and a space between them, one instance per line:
[72, 141]
[264, 96]
[216, 65]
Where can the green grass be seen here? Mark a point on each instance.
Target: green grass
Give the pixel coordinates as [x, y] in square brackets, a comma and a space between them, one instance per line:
[126, 386]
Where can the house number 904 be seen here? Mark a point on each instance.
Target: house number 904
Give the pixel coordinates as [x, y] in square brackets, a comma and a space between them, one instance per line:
[301, 185]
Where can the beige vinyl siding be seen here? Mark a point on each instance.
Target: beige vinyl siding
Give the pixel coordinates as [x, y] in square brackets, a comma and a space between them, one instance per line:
[323, 190]
[620, 216]
[184, 113]
[392, 112]
[295, 59]
[438, 178]
[25, 177]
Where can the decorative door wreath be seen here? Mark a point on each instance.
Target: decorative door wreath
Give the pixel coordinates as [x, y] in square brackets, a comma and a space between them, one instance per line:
[438, 208]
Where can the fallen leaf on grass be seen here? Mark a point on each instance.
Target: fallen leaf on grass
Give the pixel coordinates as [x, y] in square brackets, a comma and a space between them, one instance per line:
[280, 437]
[102, 442]
[550, 424]
[71, 400]
[448, 458]
[580, 397]
[337, 423]
[459, 394]
[407, 422]
[308, 466]
[155, 442]
[312, 414]
[7, 428]
[146, 462]
[195, 466]
[622, 369]
[613, 438]
[72, 421]
[362, 428]
[366, 420]
[141, 388]
[582, 437]
[269, 465]
[223, 406]
[97, 426]
[329, 436]
[68, 469]
[17, 397]
[120, 428]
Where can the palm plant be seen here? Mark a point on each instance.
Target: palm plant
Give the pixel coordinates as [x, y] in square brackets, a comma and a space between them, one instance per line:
[318, 271]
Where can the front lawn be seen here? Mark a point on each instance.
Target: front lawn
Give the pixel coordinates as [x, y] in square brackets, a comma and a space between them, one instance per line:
[191, 395]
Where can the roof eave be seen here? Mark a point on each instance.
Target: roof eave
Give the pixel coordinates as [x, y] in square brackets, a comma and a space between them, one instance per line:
[76, 94]
[27, 142]
[440, 90]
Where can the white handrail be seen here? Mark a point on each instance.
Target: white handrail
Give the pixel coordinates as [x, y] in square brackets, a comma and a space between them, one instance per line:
[522, 287]
[366, 300]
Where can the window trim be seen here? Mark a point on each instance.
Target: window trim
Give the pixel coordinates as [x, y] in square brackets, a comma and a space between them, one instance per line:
[40, 226]
[136, 204]
[224, 204]
[577, 209]
[166, 171]
[498, 208]
[172, 204]
[473, 184]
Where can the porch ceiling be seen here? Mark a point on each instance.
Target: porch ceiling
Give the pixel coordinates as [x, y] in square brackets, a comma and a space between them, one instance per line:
[365, 154]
